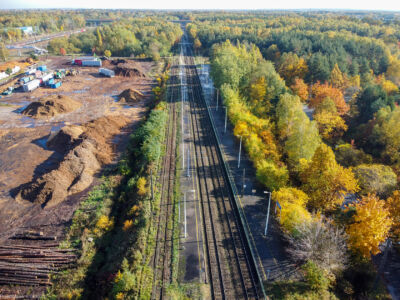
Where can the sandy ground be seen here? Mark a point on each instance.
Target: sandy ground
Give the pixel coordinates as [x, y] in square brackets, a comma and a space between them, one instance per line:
[23, 152]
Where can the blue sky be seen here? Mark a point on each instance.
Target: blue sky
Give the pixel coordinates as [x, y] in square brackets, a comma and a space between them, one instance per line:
[204, 4]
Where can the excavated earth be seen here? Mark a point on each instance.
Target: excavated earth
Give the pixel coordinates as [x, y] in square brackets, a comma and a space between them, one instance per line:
[130, 95]
[125, 68]
[51, 106]
[86, 150]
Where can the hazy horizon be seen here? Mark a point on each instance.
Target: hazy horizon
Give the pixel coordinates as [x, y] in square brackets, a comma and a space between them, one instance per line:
[203, 5]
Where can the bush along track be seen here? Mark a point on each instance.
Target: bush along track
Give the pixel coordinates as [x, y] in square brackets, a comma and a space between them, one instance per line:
[113, 229]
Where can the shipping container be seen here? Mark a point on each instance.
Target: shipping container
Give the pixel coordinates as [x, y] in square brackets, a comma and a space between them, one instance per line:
[30, 71]
[16, 69]
[42, 68]
[55, 85]
[50, 81]
[47, 76]
[86, 58]
[31, 85]
[3, 75]
[91, 63]
[26, 79]
[106, 72]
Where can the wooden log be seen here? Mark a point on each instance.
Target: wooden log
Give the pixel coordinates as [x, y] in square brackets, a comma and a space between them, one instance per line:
[33, 237]
[10, 281]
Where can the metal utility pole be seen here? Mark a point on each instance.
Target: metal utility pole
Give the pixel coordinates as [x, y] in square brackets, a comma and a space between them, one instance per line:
[188, 162]
[269, 206]
[240, 150]
[184, 209]
[226, 116]
[151, 181]
[243, 185]
[217, 100]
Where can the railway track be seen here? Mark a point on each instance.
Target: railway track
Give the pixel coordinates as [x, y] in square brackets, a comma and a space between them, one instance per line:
[164, 238]
[230, 272]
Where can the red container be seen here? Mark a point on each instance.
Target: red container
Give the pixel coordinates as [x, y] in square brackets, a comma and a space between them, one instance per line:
[78, 62]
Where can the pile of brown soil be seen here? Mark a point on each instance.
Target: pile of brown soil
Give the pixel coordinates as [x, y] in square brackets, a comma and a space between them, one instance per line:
[130, 95]
[86, 149]
[129, 69]
[65, 139]
[50, 106]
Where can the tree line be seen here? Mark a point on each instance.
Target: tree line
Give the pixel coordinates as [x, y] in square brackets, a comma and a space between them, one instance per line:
[140, 37]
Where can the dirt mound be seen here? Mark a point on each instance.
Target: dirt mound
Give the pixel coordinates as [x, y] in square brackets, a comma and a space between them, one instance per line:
[126, 68]
[51, 106]
[65, 139]
[87, 148]
[129, 69]
[130, 95]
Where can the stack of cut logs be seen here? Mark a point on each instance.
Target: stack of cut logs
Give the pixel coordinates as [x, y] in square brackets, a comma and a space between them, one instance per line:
[32, 264]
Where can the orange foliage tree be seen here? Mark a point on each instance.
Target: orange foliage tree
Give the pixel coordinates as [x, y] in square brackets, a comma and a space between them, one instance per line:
[300, 88]
[371, 226]
[320, 91]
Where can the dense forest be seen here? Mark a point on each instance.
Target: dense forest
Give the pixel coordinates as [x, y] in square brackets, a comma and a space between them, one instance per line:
[337, 168]
[139, 37]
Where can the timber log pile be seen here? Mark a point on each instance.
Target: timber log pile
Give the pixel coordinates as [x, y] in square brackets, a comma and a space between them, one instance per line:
[31, 265]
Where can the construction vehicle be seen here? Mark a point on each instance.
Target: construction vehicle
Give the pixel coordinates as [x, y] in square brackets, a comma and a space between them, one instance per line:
[8, 91]
[59, 74]
[71, 72]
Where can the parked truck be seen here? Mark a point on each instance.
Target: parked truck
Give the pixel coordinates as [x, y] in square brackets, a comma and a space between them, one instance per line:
[107, 72]
[79, 60]
[31, 85]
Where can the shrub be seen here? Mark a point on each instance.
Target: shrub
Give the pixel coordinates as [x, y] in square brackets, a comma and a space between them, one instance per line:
[348, 156]
[315, 276]
[141, 186]
[321, 242]
[127, 225]
[375, 178]
[104, 223]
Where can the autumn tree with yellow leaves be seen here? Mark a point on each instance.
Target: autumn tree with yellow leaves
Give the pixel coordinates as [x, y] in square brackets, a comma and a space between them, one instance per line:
[291, 66]
[331, 126]
[293, 207]
[325, 181]
[393, 205]
[371, 226]
[337, 79]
